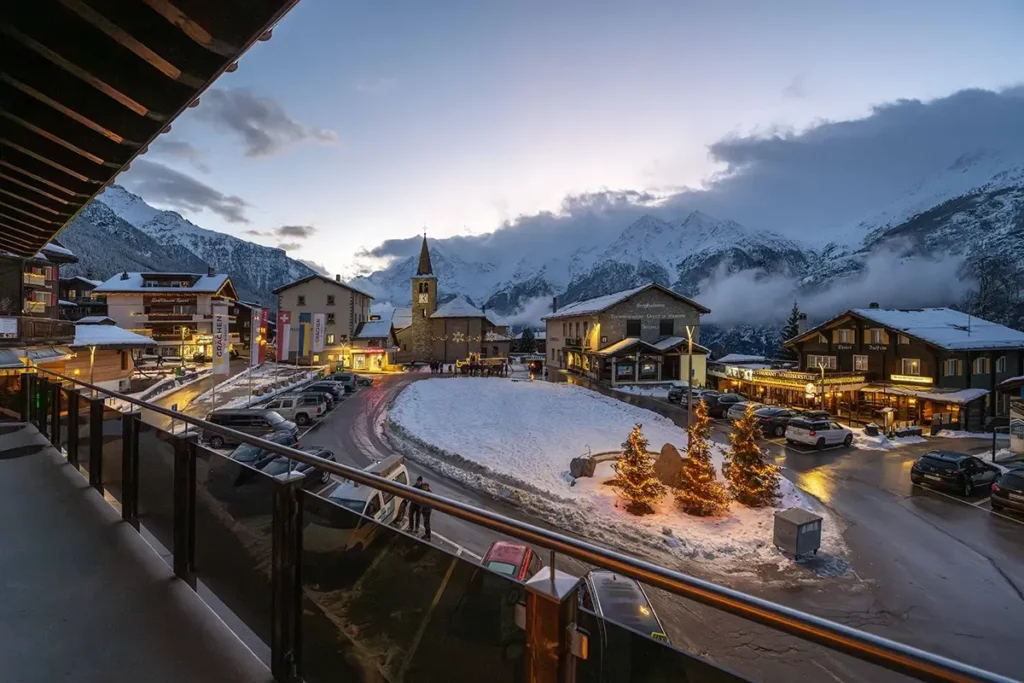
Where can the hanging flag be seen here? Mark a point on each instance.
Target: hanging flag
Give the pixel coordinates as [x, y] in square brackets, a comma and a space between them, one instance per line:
[262, 351]
[220, 340]
[254, 337]
[319, 331]
[284, 334]
[305, 334]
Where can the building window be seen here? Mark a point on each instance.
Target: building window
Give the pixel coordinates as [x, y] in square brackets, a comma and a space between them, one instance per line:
[302, 300]
[330, 318]
[330, 339]
[330, 299]
[911, 366]
[1001, 364]
[904, 339]
[124, 360]
[423, 288]
[586, 328]
[565, 328]
[424, 312]
[666, 327]
[815, 362]
[822, 339]
[951, 367]
[877, 336]
[632, 328]
[981, 366]
[577, 330]
[844, 336]
[860, 363]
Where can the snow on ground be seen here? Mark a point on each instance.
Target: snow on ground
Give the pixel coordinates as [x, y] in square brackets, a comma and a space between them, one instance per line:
[882, 442]
[515, 440]
[293, 381]
[958, 434]
[268, 373]
[660, 391]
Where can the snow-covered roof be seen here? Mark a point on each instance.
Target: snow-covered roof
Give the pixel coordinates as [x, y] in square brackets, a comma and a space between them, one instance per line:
[324, 278]
[96, 320]
[52, 248]
[601, 303]
[619, 346]
[459, 307]
[945, 327]
[539, 335]
[135, 283]
[86, 280]
[953, 396]
[108, 336]
[373, 329]
[741, 358]
[401, 318]
[62, 302]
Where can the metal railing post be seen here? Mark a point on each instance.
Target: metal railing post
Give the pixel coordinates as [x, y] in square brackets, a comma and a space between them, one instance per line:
[130, 467]
[550, 617]
[26, 396]
[42, 405]
[73, 426]
[286, 580]
[184, 540]
[96, 443]
[55, 414]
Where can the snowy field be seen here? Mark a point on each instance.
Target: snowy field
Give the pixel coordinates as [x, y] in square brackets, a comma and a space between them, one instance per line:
[515, 440]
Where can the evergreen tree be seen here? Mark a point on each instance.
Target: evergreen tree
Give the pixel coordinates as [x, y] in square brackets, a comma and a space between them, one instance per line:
[700, 492]
[635, 478]
[753, 480]
[790, 330]
[527, 342]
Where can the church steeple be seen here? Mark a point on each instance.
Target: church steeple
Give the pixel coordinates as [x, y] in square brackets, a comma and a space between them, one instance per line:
[425, 268]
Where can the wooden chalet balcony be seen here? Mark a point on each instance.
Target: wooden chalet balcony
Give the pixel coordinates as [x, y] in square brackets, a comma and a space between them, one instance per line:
[25, 330]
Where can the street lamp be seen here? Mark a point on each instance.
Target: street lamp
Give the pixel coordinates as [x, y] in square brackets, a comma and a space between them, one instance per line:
[821, 366]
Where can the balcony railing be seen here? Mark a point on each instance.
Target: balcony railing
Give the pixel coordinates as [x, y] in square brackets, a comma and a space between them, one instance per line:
[34, 307]
[22, 330]
[334, 593]
[34, 279]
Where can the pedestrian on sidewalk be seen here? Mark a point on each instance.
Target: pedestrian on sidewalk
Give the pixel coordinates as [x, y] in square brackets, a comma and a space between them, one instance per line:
[425, 511]
[415, 509]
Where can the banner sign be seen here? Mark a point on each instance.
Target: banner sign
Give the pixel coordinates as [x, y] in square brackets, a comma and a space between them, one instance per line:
[284, 335]
[305, 334]
[220, 340]
[255, 339]
[264, 329]
[319, 331]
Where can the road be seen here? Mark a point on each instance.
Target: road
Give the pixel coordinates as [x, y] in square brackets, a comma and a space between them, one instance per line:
[924, 568]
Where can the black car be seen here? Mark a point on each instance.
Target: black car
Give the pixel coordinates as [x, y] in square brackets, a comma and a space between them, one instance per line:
[332, 388]
[815, 414]
[772, 420]
[1008, 490]
[719, 404]
[677, 394]
[314, 475]
[257, 456]
[953, 471]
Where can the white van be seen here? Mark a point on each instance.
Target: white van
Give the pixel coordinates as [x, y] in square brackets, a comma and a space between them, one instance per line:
[336, 530]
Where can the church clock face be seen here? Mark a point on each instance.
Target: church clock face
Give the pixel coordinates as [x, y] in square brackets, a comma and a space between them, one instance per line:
[424, 298]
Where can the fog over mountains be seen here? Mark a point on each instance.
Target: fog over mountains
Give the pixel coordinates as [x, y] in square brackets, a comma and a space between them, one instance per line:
[902, 207]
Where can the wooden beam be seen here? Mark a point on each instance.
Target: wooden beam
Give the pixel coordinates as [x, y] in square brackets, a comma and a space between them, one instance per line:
[12, 207]
[18, 220]
[41, 179]
[53, 138]
[125, 39]
[190, 28]
[70, 113]
[54, 164]
[11, 238]
[29, 201]
[73, 69]
[12, 179]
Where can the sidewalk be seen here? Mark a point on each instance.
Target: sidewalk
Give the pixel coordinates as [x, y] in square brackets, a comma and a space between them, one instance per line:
[84, 598]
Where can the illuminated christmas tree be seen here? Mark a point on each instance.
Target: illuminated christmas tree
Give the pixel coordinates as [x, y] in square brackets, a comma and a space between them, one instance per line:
[700, 493]
[753, 480]
[635, 478]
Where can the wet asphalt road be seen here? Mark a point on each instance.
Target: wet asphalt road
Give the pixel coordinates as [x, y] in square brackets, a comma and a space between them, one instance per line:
[926, 569]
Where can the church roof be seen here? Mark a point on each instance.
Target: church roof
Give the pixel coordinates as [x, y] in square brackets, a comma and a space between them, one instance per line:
[458, 307]
[424, 268]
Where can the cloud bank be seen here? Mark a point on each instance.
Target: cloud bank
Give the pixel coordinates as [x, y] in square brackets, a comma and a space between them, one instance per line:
[162, 185]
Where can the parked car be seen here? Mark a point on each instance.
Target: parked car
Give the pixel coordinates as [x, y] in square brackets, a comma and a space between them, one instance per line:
[364, 381]
[736, 410]
[811, 414]
[514, 560]
[314, 475]
[621, 600]
[953, 471]
[346, 379]
[335, 389]
[258, 456]
[817, 433]
[298, 409]
[318, 396]
[677, 394]
[772, 420]
[253, 421]
[718, 404]
[1008, 490]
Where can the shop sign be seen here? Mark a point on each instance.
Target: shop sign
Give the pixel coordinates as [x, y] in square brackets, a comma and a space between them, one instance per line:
[220, 340]
[911, 379]
[745, 374]
[844, 347]
[624, 370]
[877, 347]
[809, 388]
[8, 328]
[1017, 428]
[370, 350]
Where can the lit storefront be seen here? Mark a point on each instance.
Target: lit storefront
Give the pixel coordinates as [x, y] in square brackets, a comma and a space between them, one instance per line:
[785, 387]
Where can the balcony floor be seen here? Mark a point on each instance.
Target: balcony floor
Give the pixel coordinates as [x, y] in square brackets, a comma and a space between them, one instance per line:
[84, 598]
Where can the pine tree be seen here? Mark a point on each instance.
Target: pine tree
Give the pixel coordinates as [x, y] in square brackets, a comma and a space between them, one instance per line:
[790, 330]
[700, 493]
[527, 341]
[753, 480]
[635, 478]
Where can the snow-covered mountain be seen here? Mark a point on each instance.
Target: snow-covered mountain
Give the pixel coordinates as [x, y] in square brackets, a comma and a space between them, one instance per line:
[256, 270]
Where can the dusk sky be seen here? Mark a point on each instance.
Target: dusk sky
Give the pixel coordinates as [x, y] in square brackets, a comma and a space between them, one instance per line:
[369, 121]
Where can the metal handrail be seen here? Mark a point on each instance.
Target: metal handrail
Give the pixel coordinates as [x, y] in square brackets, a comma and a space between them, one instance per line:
[862, 645]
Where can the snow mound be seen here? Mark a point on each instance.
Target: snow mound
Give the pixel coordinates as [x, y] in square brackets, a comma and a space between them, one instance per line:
[881, 442]
[515, 440]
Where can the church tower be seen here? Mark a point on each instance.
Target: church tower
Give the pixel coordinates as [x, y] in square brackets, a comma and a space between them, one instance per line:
[424, 303]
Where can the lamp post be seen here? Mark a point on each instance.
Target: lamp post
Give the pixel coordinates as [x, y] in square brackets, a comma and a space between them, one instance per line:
[821, 366]
[689, 373]
[92, 368]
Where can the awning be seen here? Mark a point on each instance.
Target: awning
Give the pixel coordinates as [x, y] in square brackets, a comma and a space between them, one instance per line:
[16, 358]
[959, 396]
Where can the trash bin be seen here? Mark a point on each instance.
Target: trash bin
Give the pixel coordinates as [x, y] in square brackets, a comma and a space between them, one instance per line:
[797, 531]
[871, 429]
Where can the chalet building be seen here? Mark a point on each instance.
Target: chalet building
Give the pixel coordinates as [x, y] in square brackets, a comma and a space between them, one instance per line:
[343, 307]
[636, 335]
[454, 331]
[76, 300]
[374, 346]
[103, 354]
[926, 366]
[175, 310]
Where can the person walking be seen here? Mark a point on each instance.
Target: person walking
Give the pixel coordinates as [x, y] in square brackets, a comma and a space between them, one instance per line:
[415, 510]
[425, 511]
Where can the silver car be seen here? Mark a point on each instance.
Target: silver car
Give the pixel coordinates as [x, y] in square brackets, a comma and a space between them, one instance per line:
[818, 433]
[736, 410]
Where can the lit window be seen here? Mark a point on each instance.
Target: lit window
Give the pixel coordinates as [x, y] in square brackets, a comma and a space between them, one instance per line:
[878, 336]
[860, 363]
[817, 362]
[911, 366]
[330, 339]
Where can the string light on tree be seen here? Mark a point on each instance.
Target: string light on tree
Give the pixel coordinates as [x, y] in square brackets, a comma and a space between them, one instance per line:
[700, 493]
[753, 481]
[635, 478]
